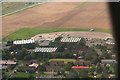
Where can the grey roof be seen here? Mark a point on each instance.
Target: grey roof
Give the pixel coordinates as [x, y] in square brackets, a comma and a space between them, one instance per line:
[110, 42]
[70, 39]
[46, 49]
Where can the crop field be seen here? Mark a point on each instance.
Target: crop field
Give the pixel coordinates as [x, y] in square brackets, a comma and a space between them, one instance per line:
[56, 15]
[65, 60]
[26, 33]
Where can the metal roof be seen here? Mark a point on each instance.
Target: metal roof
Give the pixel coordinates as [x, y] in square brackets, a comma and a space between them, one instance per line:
[46, 49]
[70, 39]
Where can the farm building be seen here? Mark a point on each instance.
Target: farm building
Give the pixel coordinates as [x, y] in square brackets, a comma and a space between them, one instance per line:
[110, 42]
[24, 41]
[7, 64]
[70, 39]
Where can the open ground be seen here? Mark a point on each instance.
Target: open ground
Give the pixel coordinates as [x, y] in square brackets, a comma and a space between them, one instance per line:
[59, 15]
[27, 33]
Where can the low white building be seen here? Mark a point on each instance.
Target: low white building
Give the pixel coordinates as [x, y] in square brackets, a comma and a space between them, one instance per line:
[24, 41]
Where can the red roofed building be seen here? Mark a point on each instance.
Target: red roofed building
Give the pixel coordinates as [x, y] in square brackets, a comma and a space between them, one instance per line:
[81, 67]
[78, 68]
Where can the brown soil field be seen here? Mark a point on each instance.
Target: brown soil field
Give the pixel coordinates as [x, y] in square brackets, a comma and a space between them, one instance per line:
[59, 15]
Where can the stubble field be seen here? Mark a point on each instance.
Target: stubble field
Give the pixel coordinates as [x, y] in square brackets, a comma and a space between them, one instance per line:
[59, 15]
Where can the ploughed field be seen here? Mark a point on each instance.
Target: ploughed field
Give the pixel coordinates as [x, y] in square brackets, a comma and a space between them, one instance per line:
[59, 15]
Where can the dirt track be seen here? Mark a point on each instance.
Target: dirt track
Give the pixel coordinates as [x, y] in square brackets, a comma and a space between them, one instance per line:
[95, 35]
[61, 14]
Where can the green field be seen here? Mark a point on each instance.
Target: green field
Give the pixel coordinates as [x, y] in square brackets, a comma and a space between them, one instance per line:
[65, 60]
[26, 75]
[26, 33]
[8, 7]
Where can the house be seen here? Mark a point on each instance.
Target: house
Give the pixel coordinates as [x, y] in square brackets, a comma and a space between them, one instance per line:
[80, 67]
[108, 61]
[113, 55]
[54, 68]
[26, 63]
[112, 76]
[26, 68]
[29, 66]
[82, 63]
[56, 63]
[7, 64]
[102, 66]
[34, 65]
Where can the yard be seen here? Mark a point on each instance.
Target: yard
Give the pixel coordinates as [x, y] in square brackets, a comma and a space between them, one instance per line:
[26, 75]
[26, 33]
[65, 60]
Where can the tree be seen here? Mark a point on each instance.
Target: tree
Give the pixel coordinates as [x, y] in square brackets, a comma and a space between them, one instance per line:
[57, 39]
[92, 70]
[105, 70]
[20, 55]
[113, 68]
[31, 77]
[98, 69]
[28, 57]
[61, 49]
[82, 42]
[83, 73]
[68, 66]
[34, 55]
[9, 43]
[72, 74]
[42, 68]
[6, 54]
[91, 56]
